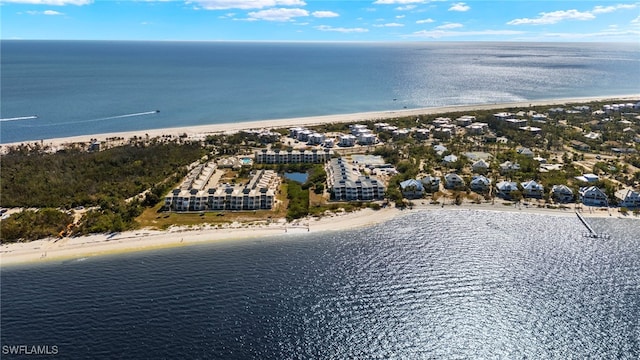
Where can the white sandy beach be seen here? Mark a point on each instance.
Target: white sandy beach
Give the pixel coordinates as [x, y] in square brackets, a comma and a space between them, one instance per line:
[202, 130]
[141, 240]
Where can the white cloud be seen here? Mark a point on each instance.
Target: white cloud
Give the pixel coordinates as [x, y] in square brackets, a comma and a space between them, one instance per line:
[450, 26]
[460, 7]
[406, 7]
[400, 16]
[324, 14]
[389, 25]
[244, 4]
[341, 29]
[425, 21]
[46, 12]
[612, 8]
[51, 2]
[554, 17]
[636, 20]
[279, 14]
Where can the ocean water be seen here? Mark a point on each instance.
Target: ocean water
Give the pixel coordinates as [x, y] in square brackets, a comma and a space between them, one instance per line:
[89, 87]
[428, 285]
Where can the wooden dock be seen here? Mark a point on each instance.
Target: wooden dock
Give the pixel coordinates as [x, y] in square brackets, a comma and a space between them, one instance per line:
[592, 233]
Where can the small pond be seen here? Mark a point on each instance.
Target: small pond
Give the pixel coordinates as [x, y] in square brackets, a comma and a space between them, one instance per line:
[297, 176]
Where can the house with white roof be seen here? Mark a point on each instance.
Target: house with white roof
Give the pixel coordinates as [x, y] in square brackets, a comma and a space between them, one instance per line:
[450, 159]
[431, 183]
[347, 140]
[506, 188]
[532, 189]
[477, 128]
[440, 149]
[422, 134]
[453, 181]
[526, 152]
[590, 178]
[593, 196]
[412, 189]
[562, 193]
[367, 138]
[628, 198]
[480, 183]
[480, 166]
[509, 167]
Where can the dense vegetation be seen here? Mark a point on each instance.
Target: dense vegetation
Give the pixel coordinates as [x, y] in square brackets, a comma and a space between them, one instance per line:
[33, 225]
[106, 181]
[298, 200]
[73, 178]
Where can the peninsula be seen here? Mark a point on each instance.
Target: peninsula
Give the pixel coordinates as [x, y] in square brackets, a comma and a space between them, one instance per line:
[170, 187]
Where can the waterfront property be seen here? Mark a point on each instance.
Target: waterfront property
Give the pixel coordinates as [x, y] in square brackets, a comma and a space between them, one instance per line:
[562, 193]
[480, 184]
[593, 196]
[345, 182]
[199, 192]
[506, 189]
[628, 198]
[431, 183]
[265, 156]
[453, 181]
[532, 189]
[412, 189]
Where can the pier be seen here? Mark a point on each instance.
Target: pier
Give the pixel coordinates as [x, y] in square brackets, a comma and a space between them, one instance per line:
[592, 233]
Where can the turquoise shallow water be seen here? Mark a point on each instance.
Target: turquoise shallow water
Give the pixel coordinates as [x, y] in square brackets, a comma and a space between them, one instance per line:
[435, 284]
[89, 87]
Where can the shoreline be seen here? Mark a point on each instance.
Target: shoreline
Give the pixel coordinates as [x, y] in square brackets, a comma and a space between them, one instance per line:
[232, 127]
[46, 250]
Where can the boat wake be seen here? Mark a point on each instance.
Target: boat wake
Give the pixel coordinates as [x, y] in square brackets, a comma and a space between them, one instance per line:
[20, 118]
[102, 118]
[127, 115]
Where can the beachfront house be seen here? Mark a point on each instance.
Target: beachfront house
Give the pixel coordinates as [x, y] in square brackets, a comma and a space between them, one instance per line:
[454, 181]
[506, 189]
[431, 183]
[412, 189]
[628, 198]
[562, 193]
[480, 184]
[588, 178]
[532, 189]
[593, 196]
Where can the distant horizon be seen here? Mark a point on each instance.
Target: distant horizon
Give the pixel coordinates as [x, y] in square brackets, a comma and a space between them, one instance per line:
[322, 21]
[386, 42]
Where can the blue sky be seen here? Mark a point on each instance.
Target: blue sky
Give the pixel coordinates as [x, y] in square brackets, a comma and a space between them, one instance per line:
[321, 20]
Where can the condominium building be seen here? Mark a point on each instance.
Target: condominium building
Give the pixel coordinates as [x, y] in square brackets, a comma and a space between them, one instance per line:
[258, 193]
[265, 156]
[347, 183]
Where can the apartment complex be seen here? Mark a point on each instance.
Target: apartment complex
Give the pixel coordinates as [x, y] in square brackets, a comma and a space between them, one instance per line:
[347, 183]
[195, 194]
[265, 156]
